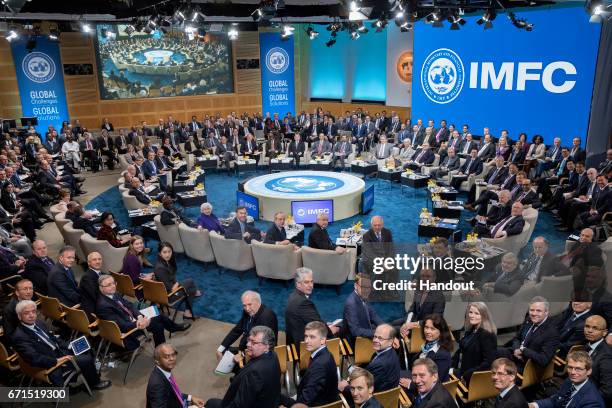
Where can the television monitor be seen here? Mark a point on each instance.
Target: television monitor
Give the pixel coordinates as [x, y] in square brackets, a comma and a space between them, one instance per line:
[305, 212]
[250, 202]
[367, 200]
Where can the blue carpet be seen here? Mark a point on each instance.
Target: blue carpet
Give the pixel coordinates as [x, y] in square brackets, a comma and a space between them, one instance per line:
[221, 292]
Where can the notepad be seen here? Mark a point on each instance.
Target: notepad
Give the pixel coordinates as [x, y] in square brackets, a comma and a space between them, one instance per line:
[227, 363]
[150, 312]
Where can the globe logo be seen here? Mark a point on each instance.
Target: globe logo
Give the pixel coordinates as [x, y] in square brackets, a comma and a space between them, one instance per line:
[38, 67]
[304, 184]
[301, 212]
[442, 76]
[277, 60]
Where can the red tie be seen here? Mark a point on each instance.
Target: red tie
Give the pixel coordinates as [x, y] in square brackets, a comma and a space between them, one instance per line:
[88, 145]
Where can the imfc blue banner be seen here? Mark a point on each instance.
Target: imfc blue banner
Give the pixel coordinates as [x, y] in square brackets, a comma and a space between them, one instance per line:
[538, 82]
[251, 203]
[41, 82]
[277, 77]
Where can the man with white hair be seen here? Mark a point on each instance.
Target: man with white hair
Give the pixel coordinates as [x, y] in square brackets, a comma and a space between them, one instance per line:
[40, 348]
[319, 237]
[254, 313]
[550, 159]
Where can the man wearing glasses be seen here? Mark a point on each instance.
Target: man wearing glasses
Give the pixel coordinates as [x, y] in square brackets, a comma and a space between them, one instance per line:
[503, 375]
[577, 390]
[359, 317]
[257, 385]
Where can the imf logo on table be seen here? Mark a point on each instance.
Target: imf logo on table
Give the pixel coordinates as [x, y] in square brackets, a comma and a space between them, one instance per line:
[277, 60]
[301, 212]
[442, 76]
[38, 67]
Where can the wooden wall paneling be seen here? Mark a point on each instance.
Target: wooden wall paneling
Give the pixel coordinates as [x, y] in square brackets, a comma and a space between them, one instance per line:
[10, 102]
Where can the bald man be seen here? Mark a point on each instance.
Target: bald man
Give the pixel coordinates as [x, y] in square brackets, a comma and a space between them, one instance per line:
[595, 331]
[377, 243]
[88, 286]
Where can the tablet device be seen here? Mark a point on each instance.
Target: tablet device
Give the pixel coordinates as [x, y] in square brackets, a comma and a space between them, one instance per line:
[79, 346]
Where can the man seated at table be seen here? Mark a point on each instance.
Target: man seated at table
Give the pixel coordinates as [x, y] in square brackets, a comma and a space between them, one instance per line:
[239, 229]
[510, 225]
[472, 165]
[497, 212]
[140, 193]
[277, 234]
[342, 150]
[249, 147]
[320, 147]
[422, 157]
[296, 149]
[319, 237]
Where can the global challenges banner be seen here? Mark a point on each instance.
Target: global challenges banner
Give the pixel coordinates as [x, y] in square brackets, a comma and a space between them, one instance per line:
[277, 77]
[538, 82]
[41, 82]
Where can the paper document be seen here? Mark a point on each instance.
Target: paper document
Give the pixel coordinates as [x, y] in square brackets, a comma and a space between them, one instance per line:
[227, 363]
[150, 312]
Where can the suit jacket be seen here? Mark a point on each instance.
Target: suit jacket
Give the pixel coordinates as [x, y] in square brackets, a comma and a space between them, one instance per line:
[587, 397]
[326, 147]
[475, 166]
[451, 163]
[89, 290]
[46, 180]
[438, 397]
[539, 346]
[495, 175]
[371, 403]
[299, 312]
[10, 319]
[434, 304]
[386, 370]
[579, 155]
[513, 399]
[477, 350]
[338, 149]
[83, 145]
[426, 159]
[517, 156]
[373, 248]
[256, 385]
[470, 144]
[319, 385]
[149, 170]
[319, 238]
[37, 271]
[141, 196]
[298, 148]
[264, 317]
[34, 350]
[488, 152]
[160, 393]
[62, 287]
[359, 319]
[602, 370]
[274, 235]
[386, 150]
[109, 309]
[571, 331]
[514, 226]
[244, 147]
[233, 231]
[508, 283]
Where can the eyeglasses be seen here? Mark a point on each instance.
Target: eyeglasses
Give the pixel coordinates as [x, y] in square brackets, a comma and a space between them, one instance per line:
[254, 342]
[381, 338]
[577, 369]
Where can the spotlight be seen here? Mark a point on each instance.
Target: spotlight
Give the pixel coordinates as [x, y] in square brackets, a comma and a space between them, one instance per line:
[140, 25]
[109, 34]
[54, 34]
[455, 21]
[86, 28]
[12, 35]
[333, 27]
[331, 42]
[312, 33]
[151, 26]
[354, 34]
[380, 24]
[287, 31]
[197, 15]
[520, 23]
[257, 14]
[406, 27]
[178, 17]
[232, 34]
[435, 18]
[487, 18]
[357, 13]
[130, 29]
[362, 28]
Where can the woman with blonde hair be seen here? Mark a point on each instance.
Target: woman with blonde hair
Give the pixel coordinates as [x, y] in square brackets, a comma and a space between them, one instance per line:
[478, 346]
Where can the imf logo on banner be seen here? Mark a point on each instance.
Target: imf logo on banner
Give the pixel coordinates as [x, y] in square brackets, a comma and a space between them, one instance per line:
[442, 75]
[277, 60]
[38, 67]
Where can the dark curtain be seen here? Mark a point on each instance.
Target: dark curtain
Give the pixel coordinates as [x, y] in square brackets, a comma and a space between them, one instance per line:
[600, 124]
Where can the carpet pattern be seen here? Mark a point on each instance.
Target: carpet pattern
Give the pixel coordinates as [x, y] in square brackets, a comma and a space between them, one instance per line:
[221, 300]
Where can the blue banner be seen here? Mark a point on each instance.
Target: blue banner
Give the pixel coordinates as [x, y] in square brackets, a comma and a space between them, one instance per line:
[250, 202]
[537, 82]
[306, 212]
[41, 82]
[367, 200]
[277, 77]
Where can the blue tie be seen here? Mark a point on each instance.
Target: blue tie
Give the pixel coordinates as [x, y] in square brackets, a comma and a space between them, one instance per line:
[45, 336]
[71, 276]
[418, 400]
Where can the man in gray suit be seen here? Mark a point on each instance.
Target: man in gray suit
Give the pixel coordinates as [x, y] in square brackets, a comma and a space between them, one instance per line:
[321, 146]
[450, 162]
[383, 150]
[342, 150]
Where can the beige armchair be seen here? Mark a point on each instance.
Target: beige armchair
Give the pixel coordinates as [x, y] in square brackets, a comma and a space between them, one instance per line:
[509, 311]
[112, 258]
[130, 202]
[196, 243]
[557, 290]
[275, 261]
[232, 254]
[60, 221]
[513, 243]
[169, 233]
[73, 238]
[329, 267]
[531, 216]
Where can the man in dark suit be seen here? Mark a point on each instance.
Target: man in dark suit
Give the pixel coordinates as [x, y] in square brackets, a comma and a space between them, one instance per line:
[443, 134]
[503, 375]
[518, 153]
[89, 150]
[541, 262]
[239, 229]
[318, 237]
[510, 225]
[300, 309]
[377, 242]
[341, 151]
[359, 319]
[112, 306]
[24, 290]
[88, 285]
[600, 205]
[296, 149]
[254, 314]
[494, 177]
[39, 348]
[431, 392]
[276, 234]
[487, 150]
[138, 191]
[107, 148]
[362, 388]
[61, 282]
[38, 266]
[421, 157]
[595, 330]
[578, 390]
[472, 165]
[250, 147]
[225, 151]
[571, 326]
[577, 153]
[451, 162]
[526, 195]
[162, 388]
[257, 385]
[537, 339]
[467, 145]
[319, 384]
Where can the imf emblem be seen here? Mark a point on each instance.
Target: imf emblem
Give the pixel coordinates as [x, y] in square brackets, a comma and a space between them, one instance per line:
[277, 60]
[442, 76]
[38, 67]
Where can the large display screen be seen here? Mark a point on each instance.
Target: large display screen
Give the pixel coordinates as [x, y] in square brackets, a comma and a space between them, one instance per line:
[306, 212]
[538, 82]
[157, 64]
[251, 203]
